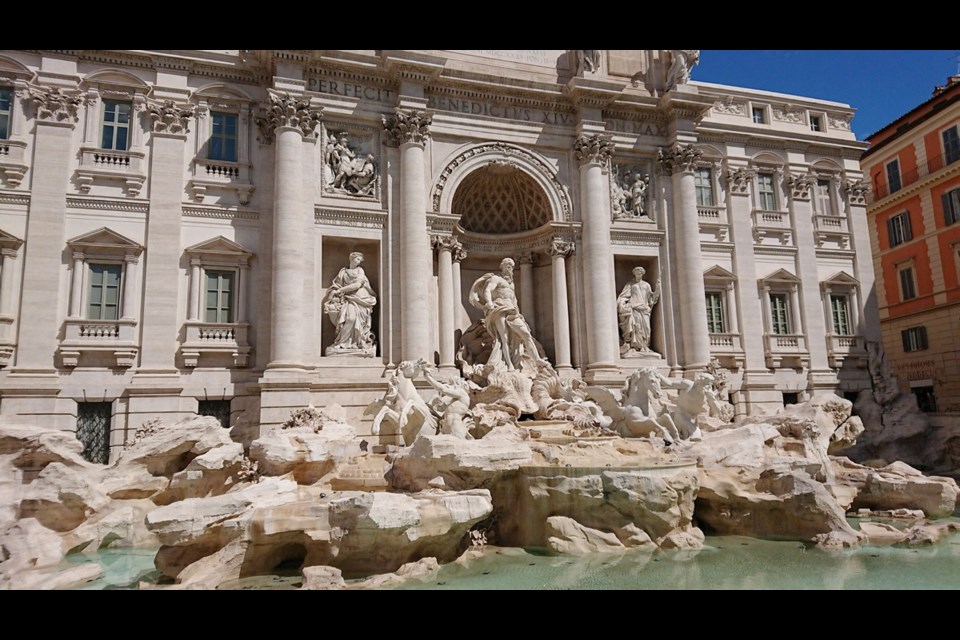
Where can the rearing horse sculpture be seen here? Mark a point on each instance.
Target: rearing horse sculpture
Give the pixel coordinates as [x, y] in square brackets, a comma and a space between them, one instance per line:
[402, 411]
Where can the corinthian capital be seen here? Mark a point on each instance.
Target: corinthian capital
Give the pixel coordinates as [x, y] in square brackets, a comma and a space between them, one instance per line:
[560, 248]
[287, 111]
[595, 148]
[445, 243]
[53, 104]
[407, 125]
[679, 157]
[856, 191]
[169, 117]
[739, 180]
[800, 186]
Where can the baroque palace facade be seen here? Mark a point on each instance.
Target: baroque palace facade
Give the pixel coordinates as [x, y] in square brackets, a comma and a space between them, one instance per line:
[179, 230]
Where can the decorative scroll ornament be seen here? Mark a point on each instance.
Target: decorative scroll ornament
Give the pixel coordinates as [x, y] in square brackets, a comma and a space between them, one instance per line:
[787, 113]
[842, 123]
[595, 148]
[679, 157]
[446, 243]
[53, 104]
[739, 180]
[287, 111]
[408, 125]
[459, 254]
[800, 186]
[856, 191]
[560, 248]
[169, 117]
[730, 107]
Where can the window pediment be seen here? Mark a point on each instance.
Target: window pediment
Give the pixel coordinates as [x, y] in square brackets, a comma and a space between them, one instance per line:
[718, 274]
[105, 241]
[841, 279]
[8, 241]
[780, 276]
[220, 250]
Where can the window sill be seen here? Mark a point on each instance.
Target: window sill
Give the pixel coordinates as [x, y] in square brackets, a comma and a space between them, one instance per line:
[217, 341]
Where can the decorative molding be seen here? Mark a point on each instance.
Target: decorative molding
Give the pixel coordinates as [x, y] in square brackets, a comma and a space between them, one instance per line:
[637, 238]
[125, 206]
[787, 113]
[596, 148]
[169, 117]
[839, 122]
[442, 224]
[678, 157]
[856, 191]
[15, 198]
[53, 104]
[800, 186]
[526, 257]
[729, 106]
[774, 250]
[350, 218]
[221, 214]
[504, 149]
[717, 247]
[836, 253]
[286, 110]
[739, 181]
[561, 248]
[407, 126]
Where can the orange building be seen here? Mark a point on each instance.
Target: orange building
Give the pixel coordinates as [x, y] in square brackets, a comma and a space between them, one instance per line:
[913, 165]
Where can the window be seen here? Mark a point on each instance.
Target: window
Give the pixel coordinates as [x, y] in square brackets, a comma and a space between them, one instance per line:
[115, 129]
[914, 339]
[6, 95]
[703, 180]
[219, 409]
[103, 298]
[840, 315]
[893, 176]
[223, 137]
[816, 124]
[908, 287]
[926, 400]
[765, 190]
[93, 430]
[759, 115]
[898, 229]
[824, 198]
[951, 207]
[220, 288]
[951, 145]
[790, 397]
[715, 323]
[779, 314]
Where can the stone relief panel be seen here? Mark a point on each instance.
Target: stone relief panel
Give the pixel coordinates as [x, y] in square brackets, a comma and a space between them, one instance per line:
[731, 107]
[629, 186]
[787, 113]
[350, 167]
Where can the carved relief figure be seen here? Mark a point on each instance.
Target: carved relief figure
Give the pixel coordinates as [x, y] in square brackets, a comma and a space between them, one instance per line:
[683, 60]
[452, 405]
[628, 196]
[513, 345]
[349, 304]
[634, 306]
[346, 170]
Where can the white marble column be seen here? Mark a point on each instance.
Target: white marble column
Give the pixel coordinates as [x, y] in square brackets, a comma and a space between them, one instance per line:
[526, 286]
[76, 285]
[7, 269]
[445, 246]
[45, 233]
[558, 252]
[599, 292]
[193, 309]
[130, 305]
[410, 129]
[680, 161]
[460, 318]
[243, 275]
[288, 120]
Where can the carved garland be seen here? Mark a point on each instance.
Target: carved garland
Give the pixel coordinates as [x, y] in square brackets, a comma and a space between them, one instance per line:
[53, 104]
[501, 148]
[170, 118]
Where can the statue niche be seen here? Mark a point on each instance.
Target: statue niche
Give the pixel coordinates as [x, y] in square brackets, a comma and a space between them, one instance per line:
[349, 304]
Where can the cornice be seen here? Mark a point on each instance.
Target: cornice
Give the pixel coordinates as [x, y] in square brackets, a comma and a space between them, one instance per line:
[105, 204]
[774, 250]
[370, 219]
[6, 197]
[221, 214]
[913, 189]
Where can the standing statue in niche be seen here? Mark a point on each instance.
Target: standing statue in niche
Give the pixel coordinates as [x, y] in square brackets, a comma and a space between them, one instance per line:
[588, 61]
[349, 305]
[634, 306]
[513, 345]
[683, 60]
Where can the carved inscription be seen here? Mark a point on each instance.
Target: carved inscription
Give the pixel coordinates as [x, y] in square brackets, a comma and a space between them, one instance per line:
[497, 110]
[349, 89]
[637, 128]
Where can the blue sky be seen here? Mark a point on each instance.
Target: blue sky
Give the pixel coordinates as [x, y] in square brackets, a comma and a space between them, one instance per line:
[881, 84]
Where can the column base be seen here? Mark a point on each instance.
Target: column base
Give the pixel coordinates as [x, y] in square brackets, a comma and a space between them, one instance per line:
[602, 373]
[289, 366]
